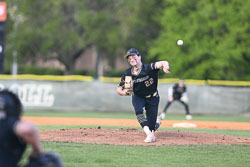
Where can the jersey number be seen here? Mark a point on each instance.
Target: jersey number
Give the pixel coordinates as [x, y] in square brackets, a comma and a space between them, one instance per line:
[149, 82]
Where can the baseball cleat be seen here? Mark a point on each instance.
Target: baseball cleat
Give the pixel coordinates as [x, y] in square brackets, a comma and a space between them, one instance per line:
[150, 138]
[159, 120]
[188, 117]
[162, 116]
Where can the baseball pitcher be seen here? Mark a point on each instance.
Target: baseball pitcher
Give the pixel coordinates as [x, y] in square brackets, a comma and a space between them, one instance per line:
[140, 81]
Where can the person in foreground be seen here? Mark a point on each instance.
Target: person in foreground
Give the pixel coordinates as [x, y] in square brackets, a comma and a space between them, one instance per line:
[141, 81]
[16, 134]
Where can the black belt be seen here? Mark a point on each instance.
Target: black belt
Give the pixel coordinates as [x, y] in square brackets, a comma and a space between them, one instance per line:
[151, 95]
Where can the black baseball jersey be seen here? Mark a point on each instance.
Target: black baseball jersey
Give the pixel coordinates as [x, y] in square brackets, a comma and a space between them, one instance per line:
[145, 83]
[11, 147]
[178, 91]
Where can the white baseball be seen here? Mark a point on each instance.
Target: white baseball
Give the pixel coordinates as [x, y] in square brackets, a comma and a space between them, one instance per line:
[180, 42]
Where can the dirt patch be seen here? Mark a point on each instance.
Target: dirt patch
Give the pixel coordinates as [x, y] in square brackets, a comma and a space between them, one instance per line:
[136, 137]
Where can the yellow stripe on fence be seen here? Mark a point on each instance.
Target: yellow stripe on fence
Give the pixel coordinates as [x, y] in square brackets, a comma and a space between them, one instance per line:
[228, 83]
[168, 80]
[118, 79]
[187, 81]
[196, 82]
[110, 79]
[48, 77]
[165, 80]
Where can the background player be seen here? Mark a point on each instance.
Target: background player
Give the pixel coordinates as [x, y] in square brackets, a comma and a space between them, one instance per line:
[177, 92]
[15, 134]
[145, 93]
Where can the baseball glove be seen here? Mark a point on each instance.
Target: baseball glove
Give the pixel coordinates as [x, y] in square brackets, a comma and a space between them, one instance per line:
[128, 86]
[48, 159]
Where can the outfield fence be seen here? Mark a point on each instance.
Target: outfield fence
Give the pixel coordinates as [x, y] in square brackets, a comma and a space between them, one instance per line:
[83, 93]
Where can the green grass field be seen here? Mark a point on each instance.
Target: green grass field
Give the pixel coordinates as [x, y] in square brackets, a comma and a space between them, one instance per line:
[103, 155]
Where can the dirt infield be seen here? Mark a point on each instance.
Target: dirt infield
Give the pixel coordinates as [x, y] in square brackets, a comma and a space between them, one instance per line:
[130, 136]
[136, 137]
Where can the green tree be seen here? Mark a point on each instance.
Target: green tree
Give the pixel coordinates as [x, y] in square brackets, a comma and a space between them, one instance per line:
[116, 25]
[62, 30]
[46, 29]
[216, 39]
[141, 24]
[101, 24]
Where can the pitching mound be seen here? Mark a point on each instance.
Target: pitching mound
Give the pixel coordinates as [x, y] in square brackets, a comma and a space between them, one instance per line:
[136, 137]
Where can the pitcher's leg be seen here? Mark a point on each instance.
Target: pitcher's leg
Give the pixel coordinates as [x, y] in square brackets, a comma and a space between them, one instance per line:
[138, 104]
[151, 108]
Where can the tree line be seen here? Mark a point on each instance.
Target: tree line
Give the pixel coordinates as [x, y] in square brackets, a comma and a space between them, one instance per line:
[215, 33]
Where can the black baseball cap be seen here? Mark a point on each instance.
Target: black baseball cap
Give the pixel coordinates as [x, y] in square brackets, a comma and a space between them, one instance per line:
[132, 51]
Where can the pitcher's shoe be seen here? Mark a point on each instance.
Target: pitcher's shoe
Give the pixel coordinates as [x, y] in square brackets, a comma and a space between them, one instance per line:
[159, 120]
[163, 115]
[150, 137]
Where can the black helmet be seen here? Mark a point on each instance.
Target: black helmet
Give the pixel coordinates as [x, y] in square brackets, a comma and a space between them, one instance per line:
[132, 51]
[10, 105]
